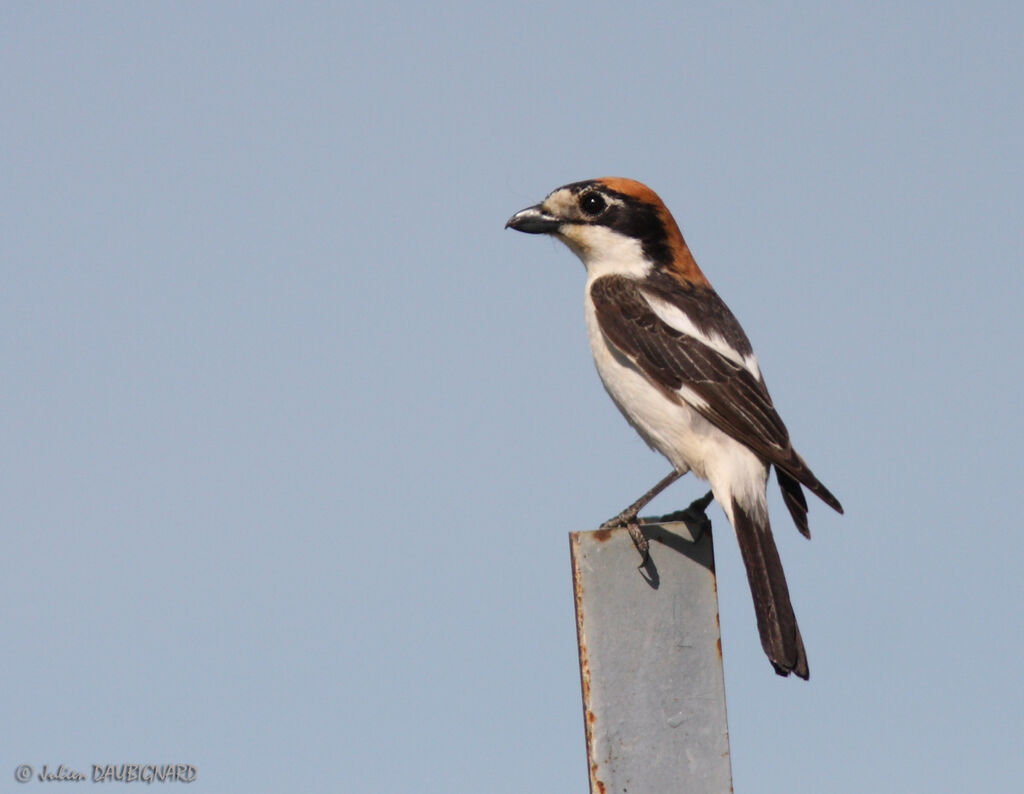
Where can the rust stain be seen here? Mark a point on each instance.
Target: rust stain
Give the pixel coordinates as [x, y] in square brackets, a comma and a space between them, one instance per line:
[602, 535]
[589, 718]
[718, 645]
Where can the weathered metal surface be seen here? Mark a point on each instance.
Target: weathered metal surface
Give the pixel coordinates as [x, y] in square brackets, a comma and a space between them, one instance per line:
[651, 662]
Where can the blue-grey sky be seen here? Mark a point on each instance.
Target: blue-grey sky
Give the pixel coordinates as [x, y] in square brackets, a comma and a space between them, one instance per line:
[292, 431]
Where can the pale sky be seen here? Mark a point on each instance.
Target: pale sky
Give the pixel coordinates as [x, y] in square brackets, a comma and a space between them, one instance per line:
[292, 432]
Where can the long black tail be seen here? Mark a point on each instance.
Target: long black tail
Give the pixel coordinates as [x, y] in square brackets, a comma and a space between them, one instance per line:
[780, 636]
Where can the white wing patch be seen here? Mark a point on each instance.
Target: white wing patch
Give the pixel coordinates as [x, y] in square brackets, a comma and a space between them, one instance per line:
[692, 397]
[676, 318]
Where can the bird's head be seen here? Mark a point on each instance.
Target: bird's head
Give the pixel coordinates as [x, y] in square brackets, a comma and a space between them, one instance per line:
[613, 225]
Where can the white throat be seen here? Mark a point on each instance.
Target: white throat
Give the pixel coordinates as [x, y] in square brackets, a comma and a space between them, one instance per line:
[606, 253]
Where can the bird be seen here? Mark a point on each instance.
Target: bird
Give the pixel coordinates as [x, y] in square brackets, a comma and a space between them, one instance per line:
[676, 363]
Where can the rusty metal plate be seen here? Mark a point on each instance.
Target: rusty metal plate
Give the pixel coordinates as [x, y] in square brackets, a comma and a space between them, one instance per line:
[651, 662]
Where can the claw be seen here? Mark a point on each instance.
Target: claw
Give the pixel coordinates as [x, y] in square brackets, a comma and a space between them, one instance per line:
[623, 519]
[641, 543]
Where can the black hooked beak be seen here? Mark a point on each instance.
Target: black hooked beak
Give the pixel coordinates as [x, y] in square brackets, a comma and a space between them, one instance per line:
[533, 220]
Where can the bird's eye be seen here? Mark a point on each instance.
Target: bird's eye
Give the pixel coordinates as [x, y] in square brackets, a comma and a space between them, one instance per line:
[592, 204]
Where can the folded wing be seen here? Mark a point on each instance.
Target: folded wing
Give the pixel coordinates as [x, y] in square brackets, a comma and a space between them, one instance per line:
[711, 374]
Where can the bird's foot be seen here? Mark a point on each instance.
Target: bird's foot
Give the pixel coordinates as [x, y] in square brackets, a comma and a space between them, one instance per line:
[627, 520]
[623, 519]
[640, 541]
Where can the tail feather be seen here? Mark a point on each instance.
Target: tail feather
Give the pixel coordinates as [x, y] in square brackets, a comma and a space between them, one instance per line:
[793, 496]
[780, 635]
[799, 470]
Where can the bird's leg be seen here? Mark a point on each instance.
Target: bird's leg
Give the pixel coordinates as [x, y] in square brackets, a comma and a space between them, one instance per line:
[627, 518]
[629, 515]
